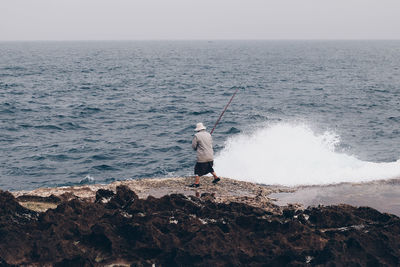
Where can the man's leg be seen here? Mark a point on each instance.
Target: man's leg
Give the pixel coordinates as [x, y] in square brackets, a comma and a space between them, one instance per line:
[197, 177]
[196, 182]
[216, 178]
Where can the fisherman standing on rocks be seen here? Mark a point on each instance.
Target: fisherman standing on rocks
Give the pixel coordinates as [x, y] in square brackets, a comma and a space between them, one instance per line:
[202, 143]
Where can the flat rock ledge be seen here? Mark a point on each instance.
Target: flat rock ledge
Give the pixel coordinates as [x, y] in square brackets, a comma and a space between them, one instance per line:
[226, 191]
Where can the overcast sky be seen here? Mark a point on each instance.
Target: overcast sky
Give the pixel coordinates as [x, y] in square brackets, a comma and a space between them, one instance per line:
[198, 19]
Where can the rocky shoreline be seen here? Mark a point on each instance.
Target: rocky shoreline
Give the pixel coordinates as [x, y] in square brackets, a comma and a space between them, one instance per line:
[228, 190]
[163, 222]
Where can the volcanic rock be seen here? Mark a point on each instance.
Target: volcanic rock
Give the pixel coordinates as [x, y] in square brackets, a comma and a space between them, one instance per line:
[179, 230]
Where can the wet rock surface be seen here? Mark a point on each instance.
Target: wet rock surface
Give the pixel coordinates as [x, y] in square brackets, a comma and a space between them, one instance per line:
[118, 227]
[382, 195]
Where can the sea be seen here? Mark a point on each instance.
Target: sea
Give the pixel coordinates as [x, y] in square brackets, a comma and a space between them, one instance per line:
[305, 113]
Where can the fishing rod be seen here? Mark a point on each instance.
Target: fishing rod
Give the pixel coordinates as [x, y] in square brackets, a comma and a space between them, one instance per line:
[226, 107]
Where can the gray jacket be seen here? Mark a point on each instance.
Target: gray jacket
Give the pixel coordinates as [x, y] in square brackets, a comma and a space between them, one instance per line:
[202, 142]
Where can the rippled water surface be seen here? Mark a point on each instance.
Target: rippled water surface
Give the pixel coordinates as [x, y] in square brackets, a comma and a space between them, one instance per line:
[77, 112]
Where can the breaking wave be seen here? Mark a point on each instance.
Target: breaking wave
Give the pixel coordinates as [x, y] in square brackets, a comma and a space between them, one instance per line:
[288, 154]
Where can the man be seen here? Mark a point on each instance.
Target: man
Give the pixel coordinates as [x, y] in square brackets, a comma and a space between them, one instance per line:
[202, 143]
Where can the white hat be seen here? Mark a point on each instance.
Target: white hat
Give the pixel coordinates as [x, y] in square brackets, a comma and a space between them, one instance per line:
[199, 127]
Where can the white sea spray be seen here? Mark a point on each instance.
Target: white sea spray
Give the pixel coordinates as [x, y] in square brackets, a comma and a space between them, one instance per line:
[292, 154]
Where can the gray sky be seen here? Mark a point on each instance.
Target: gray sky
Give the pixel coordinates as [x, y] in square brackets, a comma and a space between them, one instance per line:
[198, 19]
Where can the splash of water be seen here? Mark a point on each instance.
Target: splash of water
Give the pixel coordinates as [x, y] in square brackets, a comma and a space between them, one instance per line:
[88, 180]
[288, 154]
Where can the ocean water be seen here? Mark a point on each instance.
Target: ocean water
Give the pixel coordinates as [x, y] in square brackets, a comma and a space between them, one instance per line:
[307, 112]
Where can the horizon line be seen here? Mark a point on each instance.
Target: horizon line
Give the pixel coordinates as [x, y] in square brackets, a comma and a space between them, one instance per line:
[206, 40]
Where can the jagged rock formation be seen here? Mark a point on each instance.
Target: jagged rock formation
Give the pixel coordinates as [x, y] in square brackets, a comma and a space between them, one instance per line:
[176, 230]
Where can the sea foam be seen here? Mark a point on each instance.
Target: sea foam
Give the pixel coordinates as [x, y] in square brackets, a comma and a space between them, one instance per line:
[289, 154]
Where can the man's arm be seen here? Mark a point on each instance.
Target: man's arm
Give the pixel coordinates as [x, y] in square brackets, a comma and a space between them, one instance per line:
[194, 143]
